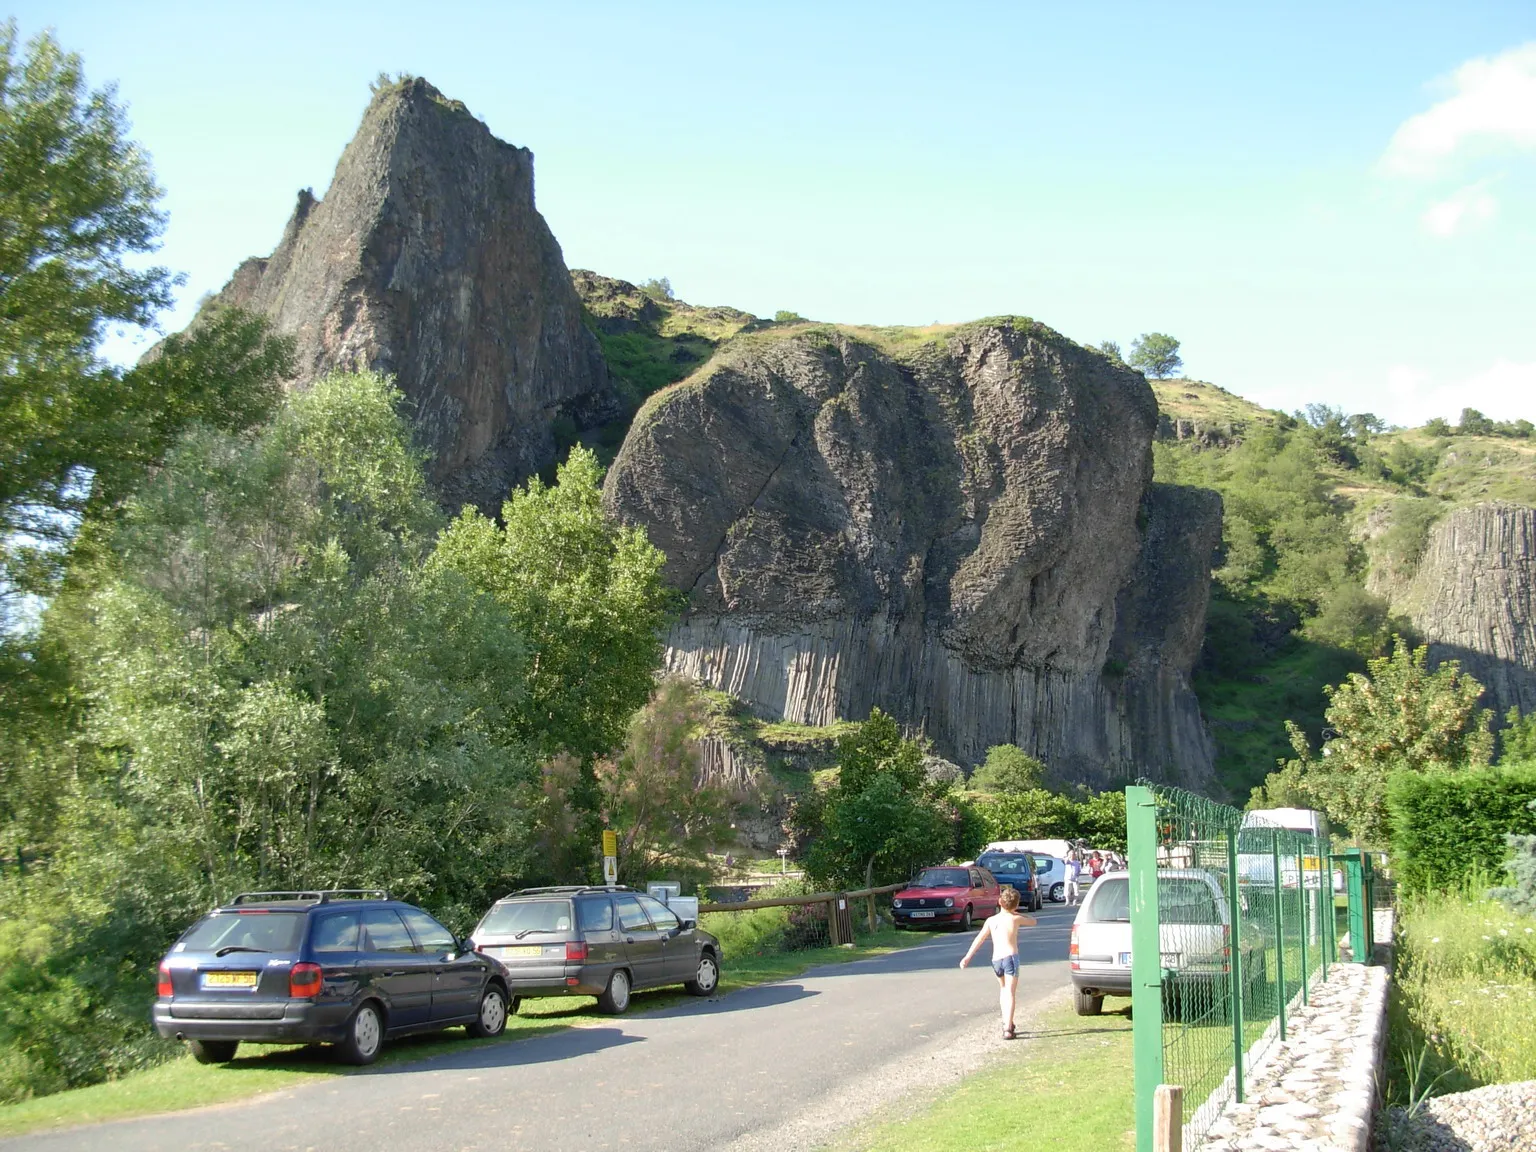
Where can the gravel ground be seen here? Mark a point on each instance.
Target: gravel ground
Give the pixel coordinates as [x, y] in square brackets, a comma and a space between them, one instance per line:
[1498, 1118]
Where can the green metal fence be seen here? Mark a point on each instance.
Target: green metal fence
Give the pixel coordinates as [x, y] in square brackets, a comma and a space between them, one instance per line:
[1232, 923]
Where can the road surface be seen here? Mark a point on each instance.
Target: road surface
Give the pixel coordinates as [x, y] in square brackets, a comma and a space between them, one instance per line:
[699, 1075]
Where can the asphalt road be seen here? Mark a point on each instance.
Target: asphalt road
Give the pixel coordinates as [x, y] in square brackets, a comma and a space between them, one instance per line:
[694, 1076]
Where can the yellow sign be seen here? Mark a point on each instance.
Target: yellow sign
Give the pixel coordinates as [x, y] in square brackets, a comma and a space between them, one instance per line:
[1311, 864]
[610, 843]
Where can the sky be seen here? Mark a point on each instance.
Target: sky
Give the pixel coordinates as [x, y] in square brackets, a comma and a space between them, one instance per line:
[1325, 203]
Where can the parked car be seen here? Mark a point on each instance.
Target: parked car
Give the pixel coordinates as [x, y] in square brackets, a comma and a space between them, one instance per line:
[1015, 870]
[1194, 934]
[346, 967]
[950, 896]
[604, 942]
[1051, 875]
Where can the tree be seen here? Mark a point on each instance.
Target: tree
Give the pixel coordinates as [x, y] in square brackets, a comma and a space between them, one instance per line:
[1008, 768]
[1111, 348]
[1397, 717]
[654, 795]
[586, 595]
[883, 817]
[1156, 354]
[1474, 423]
[783, 316]
[77, 211]
[1517, 742]
[658, 289]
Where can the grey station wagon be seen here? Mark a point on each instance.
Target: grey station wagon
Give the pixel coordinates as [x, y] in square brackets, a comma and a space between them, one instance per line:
[588, 941]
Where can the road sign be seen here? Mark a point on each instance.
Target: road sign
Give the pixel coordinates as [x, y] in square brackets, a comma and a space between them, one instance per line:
[610, 869]
[610, 842]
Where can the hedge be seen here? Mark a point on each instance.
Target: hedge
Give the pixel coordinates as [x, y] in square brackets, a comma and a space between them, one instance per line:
[1446, 826]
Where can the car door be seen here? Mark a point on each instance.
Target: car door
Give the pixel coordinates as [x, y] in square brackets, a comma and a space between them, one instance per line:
[397, 968]
[983, 895]
[642, 943]
[679, 947]
[457, 977]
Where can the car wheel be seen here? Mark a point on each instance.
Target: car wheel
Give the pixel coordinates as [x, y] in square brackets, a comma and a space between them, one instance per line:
[1087, 1005]
[213, 1051]
[615, 997]
[492, 1020]
[1039, 900]
[706, 979]
[1058, 892]
[365, 1035]
[965, 919]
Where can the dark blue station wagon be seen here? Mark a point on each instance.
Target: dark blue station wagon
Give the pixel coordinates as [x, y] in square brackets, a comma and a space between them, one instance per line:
[346, 967]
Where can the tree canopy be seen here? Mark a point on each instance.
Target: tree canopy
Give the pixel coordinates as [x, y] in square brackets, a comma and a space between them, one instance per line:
[1156, 354]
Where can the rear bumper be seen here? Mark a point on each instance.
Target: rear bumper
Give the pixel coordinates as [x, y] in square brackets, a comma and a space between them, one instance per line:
[569, 980]
[1103, 982]
[302, 1022]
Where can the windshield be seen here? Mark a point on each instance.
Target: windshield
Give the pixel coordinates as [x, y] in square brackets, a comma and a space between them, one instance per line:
[526, 916]
[253, 931]
[1007, 865]
[943, 878]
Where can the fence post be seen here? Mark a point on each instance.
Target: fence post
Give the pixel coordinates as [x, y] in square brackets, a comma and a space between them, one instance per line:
[1235, 927]
[1274, 855]
[1324, 906]
[1168, 1119]
[1369, 871]
[1146, 958]
[872, 922]
[1356, 882]
[1306, 921]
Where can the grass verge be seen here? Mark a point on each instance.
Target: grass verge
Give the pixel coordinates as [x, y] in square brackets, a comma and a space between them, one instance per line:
[260, 1068]
[1068, 1087]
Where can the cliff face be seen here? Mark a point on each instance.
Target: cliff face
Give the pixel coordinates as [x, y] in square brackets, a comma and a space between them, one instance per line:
[428, 260]
[1473, 598]
[953, 533]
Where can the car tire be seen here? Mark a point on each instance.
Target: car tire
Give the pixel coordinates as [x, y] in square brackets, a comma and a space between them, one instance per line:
[213, 1051]
[706, 979]
[365, 1035]
[1039, 900]
[1059, 893]
[615, 997]
[1085, 1004]
[965, 919]
[492, 1020]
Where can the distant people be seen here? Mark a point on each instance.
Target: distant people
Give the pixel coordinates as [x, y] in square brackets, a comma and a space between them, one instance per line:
[1003, 927]
[1073, 869]
[1095, 865]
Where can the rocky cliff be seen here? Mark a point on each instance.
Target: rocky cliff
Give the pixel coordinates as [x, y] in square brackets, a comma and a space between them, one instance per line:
[957, 526]
[427, 259]
[1472, 596]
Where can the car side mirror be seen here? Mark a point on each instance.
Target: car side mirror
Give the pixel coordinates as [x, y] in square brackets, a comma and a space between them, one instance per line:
[687, 924]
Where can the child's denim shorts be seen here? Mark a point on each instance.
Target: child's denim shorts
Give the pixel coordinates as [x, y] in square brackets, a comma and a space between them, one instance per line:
[1007, 966]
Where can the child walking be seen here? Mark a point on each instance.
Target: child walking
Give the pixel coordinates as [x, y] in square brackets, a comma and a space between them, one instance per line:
[1004, 930]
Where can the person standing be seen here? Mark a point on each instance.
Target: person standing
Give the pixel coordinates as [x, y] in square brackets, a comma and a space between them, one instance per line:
[1072, 868]
[1003, 927]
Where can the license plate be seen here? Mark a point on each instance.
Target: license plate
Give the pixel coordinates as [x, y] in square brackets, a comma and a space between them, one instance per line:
[922, 915]
[1125, 959]
[229, 979]
[523, 950]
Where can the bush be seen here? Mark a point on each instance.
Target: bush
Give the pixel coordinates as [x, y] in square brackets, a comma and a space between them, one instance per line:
[1521, 895]
[1446, 826]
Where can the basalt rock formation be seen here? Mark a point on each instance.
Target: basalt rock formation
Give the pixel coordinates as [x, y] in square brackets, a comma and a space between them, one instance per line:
[957, 526]
[427, 259]
[1472, 597]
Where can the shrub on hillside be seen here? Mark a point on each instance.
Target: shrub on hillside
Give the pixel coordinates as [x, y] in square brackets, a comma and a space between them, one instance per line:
[1446, 826]
[1520, 895]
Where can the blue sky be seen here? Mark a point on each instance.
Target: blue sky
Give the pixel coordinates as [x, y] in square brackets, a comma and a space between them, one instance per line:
[1325, 202]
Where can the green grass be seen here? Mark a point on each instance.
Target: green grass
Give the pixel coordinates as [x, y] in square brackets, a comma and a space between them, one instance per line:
[1464, 988]
[260, 1068]
[1067, 1087]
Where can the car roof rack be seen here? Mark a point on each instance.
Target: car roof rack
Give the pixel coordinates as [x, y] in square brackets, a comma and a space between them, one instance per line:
[312, 895]
[568, 888]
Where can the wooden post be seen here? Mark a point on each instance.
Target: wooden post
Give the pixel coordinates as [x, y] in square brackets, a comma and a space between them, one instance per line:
[873, 925]
[1168, 1119]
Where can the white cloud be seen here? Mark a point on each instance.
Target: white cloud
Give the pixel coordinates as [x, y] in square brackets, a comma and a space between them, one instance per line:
[1464, 206]
[1492, 106]
[1504, 391]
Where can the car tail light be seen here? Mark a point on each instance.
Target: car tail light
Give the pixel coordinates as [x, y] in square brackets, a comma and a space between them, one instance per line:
[1072, 945]
[575, 950]
[163, 987]
[304, 981]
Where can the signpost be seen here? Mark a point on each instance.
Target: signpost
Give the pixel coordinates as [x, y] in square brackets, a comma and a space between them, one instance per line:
[610, 857]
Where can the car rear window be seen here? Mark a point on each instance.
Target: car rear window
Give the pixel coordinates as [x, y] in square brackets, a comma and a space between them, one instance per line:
[943, 878]
[1111, 902]
[526, 916]
[256, 929]
[1007, 865]
[1180, 900]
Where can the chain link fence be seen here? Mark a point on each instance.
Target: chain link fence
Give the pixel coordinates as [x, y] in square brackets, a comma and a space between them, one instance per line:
[1232, 923]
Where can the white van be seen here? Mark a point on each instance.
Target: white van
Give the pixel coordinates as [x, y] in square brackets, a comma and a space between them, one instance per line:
[1258, 867]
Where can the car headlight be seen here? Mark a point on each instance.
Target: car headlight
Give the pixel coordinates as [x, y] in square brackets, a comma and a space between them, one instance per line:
[948, 903]
[896, 903]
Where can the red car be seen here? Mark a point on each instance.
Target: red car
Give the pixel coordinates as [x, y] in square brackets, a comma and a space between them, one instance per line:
[948, 896]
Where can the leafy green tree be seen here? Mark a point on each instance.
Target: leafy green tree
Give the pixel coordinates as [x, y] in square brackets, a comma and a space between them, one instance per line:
[1111, 348]
[1008, 768]
[1101, 820]
[1397, 717]
[1517, 742]
[584, 592]
[1438, 427]
[77, 210]
[658, 289]
[1474, 423]
[786, 317]
[654, 795]
[1033, 815]
[1156, 354]
[883, 817]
